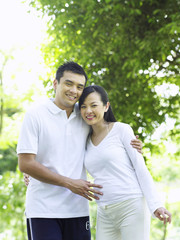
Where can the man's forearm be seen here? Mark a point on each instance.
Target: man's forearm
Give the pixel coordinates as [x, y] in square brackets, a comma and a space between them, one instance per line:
[28, 165]
[40, 172]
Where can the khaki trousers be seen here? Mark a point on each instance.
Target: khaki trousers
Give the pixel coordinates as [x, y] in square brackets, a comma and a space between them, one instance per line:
[127, 220]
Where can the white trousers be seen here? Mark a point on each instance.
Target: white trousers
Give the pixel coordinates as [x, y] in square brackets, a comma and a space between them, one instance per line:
[127, 220]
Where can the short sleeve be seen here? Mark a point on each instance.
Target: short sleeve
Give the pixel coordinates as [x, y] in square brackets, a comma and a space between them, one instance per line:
[28, 138]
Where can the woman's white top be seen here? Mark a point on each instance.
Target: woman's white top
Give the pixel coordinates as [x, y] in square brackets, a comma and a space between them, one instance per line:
[120, 168]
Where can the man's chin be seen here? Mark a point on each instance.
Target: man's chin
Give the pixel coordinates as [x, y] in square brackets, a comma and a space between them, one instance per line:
[71, 104]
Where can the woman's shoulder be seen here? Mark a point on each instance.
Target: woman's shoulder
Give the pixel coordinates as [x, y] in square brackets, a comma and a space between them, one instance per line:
[122, 125]
[123, 129]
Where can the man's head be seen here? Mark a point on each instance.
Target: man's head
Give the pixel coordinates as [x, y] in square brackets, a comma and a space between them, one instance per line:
[69, 85]
[70, 67]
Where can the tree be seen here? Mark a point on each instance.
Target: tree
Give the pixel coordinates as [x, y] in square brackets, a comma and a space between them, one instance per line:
[12, 187]
[11, 113]
[132, 48]
[3, 61]
[129, 47]
[12, 198]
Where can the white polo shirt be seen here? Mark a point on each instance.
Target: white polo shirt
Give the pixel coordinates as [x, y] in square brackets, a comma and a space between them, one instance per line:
[59, 144]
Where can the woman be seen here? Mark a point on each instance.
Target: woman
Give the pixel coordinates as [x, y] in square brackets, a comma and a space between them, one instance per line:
[120, 169]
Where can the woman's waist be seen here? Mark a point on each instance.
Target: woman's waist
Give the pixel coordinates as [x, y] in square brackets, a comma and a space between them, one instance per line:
[113, 198]
[115, 185]
[117, 192]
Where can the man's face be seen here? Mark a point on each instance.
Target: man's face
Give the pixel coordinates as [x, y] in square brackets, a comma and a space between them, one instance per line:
[69, 89]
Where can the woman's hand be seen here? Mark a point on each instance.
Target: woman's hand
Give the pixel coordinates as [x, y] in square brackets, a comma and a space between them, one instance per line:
[26, 179]
[163, 215]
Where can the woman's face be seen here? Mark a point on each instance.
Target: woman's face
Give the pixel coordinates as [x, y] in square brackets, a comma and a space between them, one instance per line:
[92, 110]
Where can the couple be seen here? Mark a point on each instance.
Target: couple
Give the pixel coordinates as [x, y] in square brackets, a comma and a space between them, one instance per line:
[51, 149]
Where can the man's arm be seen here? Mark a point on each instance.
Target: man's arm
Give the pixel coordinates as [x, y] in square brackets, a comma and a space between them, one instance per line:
[28, 164]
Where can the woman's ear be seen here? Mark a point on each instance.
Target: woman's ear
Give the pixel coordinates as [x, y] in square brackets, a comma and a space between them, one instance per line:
[107, 106]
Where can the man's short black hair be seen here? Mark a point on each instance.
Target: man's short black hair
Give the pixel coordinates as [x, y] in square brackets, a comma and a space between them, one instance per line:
[71, 67]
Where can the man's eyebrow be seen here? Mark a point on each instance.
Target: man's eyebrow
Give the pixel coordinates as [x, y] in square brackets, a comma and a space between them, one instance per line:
[67, 80]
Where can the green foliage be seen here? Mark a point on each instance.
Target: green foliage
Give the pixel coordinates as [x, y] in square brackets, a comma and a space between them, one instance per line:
[12, 199]
[129, 47]
[8, 158]
[124, 46]
[11, 119]
[12, 187]
[9, 107]
[8, 138]
[159, 231]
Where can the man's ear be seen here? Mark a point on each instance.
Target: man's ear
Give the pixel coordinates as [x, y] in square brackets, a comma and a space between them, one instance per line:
[55, 83]
[107, 106]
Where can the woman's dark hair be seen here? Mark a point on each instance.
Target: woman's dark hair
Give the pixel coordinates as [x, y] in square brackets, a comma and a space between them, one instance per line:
[108, 116]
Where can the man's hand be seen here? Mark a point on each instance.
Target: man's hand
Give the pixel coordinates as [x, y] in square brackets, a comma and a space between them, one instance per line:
[84, 188]
[136, 143]
[163, 215]
[26, 179]
[79, 186]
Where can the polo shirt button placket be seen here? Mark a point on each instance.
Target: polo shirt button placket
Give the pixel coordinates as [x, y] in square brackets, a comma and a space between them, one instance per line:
[68, 130]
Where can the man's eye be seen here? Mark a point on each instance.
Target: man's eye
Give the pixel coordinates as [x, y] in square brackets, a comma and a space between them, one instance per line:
[80, 88]
[82, 106]
[94, 105]
[68, 84]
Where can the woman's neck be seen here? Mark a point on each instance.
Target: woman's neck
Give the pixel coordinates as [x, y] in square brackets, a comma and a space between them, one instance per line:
[100, 131]
[99, 128]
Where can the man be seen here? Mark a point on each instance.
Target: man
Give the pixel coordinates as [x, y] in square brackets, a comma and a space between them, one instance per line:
[51, 150]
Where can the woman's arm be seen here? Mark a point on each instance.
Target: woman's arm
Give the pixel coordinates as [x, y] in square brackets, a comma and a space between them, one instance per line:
[144, 177]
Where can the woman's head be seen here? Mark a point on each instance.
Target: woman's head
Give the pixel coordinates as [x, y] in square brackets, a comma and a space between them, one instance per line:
[94, 102]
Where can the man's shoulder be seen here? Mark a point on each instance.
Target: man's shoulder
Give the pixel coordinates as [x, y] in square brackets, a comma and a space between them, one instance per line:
[36, 108]
[37, 105]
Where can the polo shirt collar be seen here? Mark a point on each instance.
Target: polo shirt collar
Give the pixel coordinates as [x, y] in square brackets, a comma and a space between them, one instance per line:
[55, 109]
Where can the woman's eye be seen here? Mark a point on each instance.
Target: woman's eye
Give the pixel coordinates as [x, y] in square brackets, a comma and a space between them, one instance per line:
[82, 106]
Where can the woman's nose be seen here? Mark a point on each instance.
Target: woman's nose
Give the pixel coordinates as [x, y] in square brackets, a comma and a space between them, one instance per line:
[88, 110]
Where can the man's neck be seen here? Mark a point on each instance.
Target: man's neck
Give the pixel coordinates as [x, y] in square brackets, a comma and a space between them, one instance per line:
[68, 110]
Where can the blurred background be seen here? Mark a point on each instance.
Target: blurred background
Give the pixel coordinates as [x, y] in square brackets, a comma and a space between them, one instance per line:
[131, 48]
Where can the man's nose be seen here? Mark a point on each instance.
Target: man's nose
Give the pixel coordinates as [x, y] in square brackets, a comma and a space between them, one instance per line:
[73, 89]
